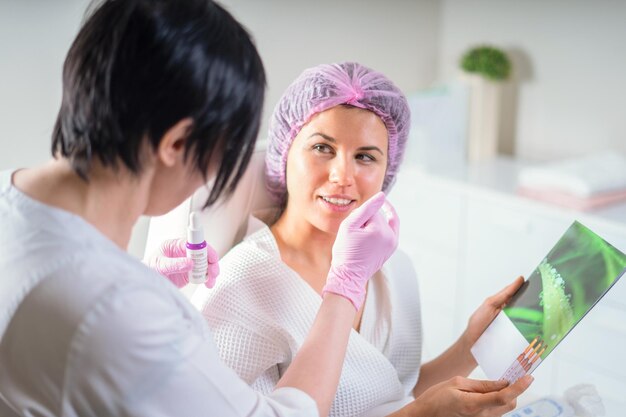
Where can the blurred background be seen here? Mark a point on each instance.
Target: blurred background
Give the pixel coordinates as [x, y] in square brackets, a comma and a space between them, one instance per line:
[465, 224]
[568, 60]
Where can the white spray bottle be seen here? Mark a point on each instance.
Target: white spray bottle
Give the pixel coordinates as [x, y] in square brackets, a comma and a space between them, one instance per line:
[196, 250]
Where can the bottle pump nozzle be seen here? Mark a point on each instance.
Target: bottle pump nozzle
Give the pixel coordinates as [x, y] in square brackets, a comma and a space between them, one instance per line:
[195, 234]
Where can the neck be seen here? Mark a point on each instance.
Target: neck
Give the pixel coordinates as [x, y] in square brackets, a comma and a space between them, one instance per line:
[302, 242]
[111, 201]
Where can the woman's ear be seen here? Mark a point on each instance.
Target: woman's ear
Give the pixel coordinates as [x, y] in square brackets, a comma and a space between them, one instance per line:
[171, 148]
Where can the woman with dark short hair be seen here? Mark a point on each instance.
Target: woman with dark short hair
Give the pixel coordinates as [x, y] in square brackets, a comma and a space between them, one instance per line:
[159, 98]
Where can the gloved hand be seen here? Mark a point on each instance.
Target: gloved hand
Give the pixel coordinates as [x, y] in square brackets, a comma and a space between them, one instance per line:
[365, 240]
[171, 261]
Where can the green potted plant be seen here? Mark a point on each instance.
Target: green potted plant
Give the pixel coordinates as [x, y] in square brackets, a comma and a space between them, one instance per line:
[485, 68]
[492, 63]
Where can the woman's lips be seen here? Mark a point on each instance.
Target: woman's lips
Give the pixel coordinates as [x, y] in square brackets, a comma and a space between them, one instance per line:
[337, 203]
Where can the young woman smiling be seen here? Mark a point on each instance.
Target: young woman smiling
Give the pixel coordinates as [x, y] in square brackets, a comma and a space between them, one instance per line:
[336, 138]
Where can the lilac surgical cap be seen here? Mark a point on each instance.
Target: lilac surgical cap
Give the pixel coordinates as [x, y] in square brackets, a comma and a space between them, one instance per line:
[320, 88]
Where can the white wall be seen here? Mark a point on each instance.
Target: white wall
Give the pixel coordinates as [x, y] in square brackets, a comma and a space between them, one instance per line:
[570, 59]
[568, 54]
[34, 38]
[398, 38]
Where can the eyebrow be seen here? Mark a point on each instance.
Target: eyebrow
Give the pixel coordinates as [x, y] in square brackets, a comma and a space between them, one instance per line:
[333, 140]
[328, 138]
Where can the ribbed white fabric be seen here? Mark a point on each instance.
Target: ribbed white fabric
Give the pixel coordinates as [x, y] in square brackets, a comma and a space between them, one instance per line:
[261, 311]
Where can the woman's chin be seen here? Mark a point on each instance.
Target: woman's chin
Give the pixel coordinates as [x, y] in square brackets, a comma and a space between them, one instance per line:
[330, 225]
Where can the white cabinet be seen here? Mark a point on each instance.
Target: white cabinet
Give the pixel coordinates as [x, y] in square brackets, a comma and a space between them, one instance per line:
[469, 235]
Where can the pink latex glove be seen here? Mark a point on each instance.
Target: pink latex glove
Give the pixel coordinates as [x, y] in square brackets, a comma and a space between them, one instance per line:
[365, 240]
[171, 261]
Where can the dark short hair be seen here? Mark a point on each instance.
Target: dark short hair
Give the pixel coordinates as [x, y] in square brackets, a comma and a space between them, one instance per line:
[137, 67]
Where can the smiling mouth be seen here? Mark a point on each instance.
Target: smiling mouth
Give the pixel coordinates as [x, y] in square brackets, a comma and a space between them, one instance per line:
[337, 201]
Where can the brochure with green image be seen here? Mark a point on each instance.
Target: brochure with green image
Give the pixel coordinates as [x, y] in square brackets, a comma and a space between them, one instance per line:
[569, 281]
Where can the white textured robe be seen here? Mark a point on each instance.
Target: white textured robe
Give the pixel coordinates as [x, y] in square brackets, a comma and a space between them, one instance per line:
[261, 310]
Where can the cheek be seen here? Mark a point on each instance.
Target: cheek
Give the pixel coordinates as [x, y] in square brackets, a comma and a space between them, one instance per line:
[303, 174]
[370, 180]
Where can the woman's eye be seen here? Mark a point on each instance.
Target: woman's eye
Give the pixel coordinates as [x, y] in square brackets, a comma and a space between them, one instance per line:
[321, 148]
[365, 157]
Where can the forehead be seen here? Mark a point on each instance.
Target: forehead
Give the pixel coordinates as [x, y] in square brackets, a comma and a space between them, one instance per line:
[347, 122]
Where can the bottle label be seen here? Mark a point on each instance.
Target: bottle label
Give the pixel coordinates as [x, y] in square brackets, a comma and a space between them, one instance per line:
[198, 274]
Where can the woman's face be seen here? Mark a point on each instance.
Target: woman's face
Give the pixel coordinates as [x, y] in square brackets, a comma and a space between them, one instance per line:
[336, 162]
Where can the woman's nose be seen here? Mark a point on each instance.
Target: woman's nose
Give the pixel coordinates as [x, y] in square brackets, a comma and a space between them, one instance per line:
[341, 172]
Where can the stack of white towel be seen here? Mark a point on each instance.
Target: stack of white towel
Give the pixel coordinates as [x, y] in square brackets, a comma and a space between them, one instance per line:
[582, 183]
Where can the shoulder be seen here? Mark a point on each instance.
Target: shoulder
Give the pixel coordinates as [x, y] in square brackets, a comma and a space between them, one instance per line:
[251, 276]
[138, 315]
[123, 287]
[133, 333]
[119, 294]
[256, 290]
[256, 256]
[121, 270]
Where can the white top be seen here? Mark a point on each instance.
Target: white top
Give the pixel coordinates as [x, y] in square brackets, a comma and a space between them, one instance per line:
[87, 330]
[261, 310]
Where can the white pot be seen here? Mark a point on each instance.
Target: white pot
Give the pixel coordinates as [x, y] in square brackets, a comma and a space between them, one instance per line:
[485, 101]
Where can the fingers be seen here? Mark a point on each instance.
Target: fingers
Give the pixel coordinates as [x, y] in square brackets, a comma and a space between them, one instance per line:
[362, 215]
[214, 268]
[521, 385]
[168, 266]
[212, 255]
[212, 273]
[480, 386]
[173, 248]
[504, 397]
[210, 282]
[392, 217]
[503, 297]
[180, 280]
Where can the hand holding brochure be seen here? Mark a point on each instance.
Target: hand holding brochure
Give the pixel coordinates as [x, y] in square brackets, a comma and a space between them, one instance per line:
[568, 282]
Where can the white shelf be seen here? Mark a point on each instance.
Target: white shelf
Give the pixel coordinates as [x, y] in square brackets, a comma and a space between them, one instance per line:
[497, 180]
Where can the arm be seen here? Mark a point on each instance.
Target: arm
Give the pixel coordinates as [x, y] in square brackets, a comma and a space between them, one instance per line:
[456, 360]
[365, 240]
[317, 366]
[139, 354]
[315, 369]
[246, 344]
